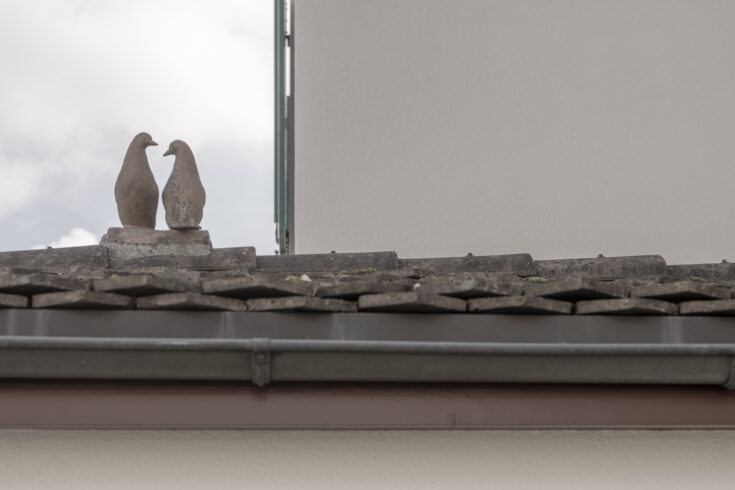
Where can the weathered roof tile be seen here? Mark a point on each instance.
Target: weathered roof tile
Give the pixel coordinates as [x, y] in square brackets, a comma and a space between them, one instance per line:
[411, 302]
[245, 287]
[302, 303]
[82, 299]
[640, 266]
[577, 289]
[38, 283]
[353, 289]
[679, 291]
[626, 306]
[141, 285]
[516, 264]
[13, 301]
[722, 271]
[519, 304]
[332, 262]
[723, 307]
[188, 301]
[466, 287]
[56, 259]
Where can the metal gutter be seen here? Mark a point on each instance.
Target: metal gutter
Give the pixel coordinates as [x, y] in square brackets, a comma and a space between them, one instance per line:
[276, 347]
[264, 361]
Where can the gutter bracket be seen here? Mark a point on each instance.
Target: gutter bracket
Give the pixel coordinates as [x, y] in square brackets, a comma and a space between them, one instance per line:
[261, 362]
[730, 383]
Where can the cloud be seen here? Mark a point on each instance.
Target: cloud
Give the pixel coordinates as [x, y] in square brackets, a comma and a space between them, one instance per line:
[76, 237]
[197, 68]
[83, 77]
[18, 186]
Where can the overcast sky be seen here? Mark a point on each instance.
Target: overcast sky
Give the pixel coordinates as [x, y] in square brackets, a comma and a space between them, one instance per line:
[80, 78]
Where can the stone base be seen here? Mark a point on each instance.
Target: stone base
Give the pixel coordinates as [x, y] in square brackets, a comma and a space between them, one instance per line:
[132, 243]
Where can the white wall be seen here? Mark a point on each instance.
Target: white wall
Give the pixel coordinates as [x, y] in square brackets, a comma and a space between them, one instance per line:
[367, 459]
[563, 128]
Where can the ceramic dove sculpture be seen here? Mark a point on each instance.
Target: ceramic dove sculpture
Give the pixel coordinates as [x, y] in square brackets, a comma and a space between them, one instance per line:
[184, 196]
[136, 192]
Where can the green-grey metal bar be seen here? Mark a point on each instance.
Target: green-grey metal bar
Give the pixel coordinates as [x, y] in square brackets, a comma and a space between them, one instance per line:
[280, 190]
[266, 360]
[290, 133]
[365, 347]
[277, 105]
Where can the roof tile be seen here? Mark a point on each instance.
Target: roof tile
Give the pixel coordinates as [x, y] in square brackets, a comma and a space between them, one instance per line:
[82, 299]
[520, 304]
[411, 302]
[38, 283]
[13, 301]
[679, 291]
[577, 289]
[516, 264]
[722, 271]
[302, 303]
[141, 285]
[637, 266]
[189, 301]
[724, 307]
[332, 262]
[466, 288]
[246, 287]
[626, 306]
[56, 259]
[353, 289]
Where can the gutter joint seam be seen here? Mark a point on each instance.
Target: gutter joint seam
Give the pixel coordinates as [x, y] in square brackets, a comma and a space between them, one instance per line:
[260, 361]
[730, 382]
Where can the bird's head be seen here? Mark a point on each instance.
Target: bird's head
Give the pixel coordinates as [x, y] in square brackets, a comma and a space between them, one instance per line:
[145, 140]
[174, 147]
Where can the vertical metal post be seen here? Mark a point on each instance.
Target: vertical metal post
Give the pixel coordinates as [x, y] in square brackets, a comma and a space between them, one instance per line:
[291, 123]
[280, 136]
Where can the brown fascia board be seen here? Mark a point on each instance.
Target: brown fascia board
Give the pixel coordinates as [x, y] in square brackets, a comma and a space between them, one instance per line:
[158, 405]
[274, 348]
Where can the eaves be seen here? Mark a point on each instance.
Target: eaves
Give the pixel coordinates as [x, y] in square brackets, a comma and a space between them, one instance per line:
[168, 369]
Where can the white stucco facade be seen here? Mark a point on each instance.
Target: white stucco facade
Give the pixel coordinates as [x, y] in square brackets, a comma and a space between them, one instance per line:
[367, 459]
[563, 128]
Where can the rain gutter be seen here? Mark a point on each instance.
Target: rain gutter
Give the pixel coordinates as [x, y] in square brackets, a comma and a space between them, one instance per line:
[265, 348]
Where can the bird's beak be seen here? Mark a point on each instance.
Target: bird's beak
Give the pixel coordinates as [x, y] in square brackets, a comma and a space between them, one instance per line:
[168, 152]
[152, 143]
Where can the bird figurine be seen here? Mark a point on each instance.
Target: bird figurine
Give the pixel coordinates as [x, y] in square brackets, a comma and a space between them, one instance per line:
[183, 196]
[136, 192]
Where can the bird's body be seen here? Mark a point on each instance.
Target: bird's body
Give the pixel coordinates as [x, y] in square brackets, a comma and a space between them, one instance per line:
[136, 192]
[183, 196]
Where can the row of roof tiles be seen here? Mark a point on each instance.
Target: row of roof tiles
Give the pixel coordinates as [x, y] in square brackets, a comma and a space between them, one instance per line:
[93, 259]
[454, 293]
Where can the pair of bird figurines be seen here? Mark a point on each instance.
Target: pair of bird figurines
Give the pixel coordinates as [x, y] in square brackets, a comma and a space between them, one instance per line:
[136, 191]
